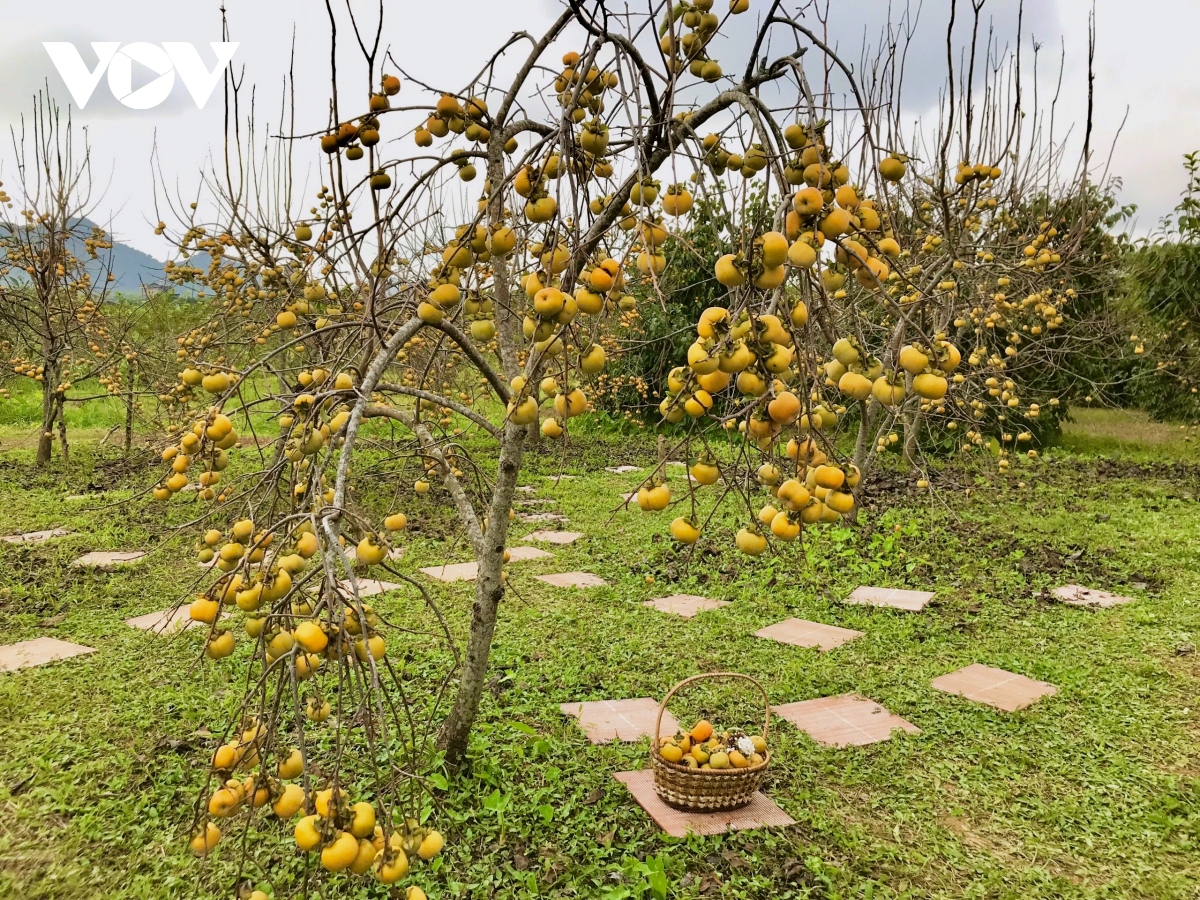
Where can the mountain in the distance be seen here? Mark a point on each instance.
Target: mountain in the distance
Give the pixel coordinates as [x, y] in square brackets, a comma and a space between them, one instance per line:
[135, 271]
[133, 268]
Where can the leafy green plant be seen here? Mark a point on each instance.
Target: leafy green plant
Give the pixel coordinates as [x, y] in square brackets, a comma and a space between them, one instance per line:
[1164, 306]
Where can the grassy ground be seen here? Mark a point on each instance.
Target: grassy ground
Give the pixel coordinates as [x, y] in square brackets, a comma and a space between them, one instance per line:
[1091, 793]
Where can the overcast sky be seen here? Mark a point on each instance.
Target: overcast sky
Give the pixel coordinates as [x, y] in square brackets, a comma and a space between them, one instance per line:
[1145, 67]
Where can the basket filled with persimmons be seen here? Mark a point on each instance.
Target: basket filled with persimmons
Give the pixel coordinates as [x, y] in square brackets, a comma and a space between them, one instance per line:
[706, 770]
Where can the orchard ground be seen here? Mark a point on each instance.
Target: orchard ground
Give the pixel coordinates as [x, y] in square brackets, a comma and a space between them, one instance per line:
[1093, 792]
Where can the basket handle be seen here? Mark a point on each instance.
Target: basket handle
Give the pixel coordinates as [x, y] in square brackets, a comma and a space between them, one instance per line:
[662, 707]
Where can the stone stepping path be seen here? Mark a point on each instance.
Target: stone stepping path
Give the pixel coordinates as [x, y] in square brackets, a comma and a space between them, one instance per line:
[618, 720]
[166, 621]
[368, 587]
[38, 652]
[106, 559]
[761, 813]
[847, 720]
[34, 537]
[555, 479]
[541, 517]
[573, 579]
[631, 497]
[536, 501]
[555, 537]
[894, 598]
[526, 489]
[686, 605]
[523, 554]
[469, 571]
[802, 633]
[1078, 595]
[621, 470]
[995, 687]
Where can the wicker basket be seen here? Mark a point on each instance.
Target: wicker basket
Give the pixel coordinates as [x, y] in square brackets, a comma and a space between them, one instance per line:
[707, 790]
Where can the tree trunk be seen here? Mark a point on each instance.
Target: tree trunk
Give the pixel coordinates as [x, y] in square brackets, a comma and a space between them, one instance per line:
[129, 413]
[862, 442]
[912, 424]
[62, 428]
[489, 589]
[866, 411]
[49, 411]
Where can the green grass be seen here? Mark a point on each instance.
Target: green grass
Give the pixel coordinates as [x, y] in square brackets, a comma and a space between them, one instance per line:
[21, 412]
[1129, 434]
[1092, 793]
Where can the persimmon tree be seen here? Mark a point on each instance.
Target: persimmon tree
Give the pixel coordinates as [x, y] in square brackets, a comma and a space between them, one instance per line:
[55, 275]
[1161, 278]
[865, 293]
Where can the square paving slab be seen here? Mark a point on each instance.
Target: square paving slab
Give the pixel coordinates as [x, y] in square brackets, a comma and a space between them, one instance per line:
[761, 813]
[844, 721]
[38, 652]
[1078, 595]
[106, 559]
[165, 621]
[619, 720]
[368, 587]
[523, 554]
[894, 598]
[541, 517]
[621, 470]
[467, 571]
[995, 687]
[631, 497]
[34, 537]
[555, 537]
[686, 605]
[802, 633]
[573, 579]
